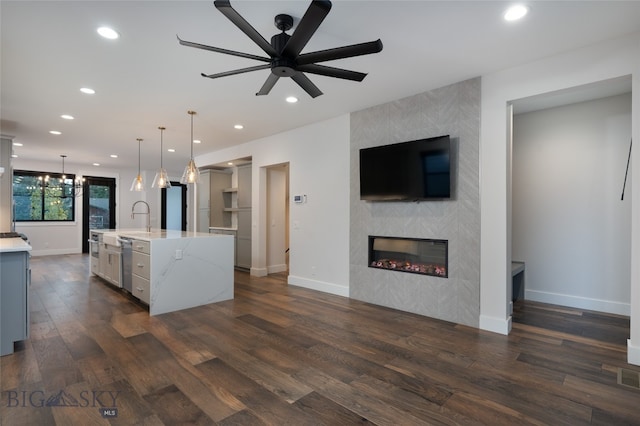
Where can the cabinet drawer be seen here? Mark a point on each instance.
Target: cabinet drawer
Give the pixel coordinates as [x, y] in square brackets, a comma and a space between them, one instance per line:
[141, 246]
[141, 288]
[141, 264]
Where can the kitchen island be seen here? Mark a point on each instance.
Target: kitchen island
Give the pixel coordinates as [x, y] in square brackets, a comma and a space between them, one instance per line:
[15, 279]
[173, 270]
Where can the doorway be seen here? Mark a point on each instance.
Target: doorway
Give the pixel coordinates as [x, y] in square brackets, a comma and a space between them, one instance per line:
[570, 224]
[174, 207]
[278, 218]
[98, 206]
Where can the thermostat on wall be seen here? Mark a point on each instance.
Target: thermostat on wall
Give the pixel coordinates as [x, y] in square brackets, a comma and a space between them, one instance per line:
[299, 199]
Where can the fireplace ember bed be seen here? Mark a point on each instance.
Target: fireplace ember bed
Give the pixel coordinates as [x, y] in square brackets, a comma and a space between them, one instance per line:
[413, 255]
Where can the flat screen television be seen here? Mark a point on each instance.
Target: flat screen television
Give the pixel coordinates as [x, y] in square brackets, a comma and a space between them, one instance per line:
[407, 171]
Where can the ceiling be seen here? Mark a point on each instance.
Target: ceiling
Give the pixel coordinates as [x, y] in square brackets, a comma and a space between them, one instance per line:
[145, 79]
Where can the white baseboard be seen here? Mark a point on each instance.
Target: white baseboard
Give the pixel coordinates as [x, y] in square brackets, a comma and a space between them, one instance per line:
[599, 305]
[52, 252]
[633, 353]
[325, 287]
[273, 269]
[495, 325]
[259, 272]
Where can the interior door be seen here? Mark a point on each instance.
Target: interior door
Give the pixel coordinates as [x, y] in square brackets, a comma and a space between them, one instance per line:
[98, 206]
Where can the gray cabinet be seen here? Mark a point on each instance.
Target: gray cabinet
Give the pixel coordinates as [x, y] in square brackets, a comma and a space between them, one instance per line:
[243, 250]
[220, 199]
[244, 186]
[231, 232]
[15, 279]
[212, 200]
[203, 190]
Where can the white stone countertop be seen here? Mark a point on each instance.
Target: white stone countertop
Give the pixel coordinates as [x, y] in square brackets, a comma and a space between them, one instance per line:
[155, 234]
[13, 244]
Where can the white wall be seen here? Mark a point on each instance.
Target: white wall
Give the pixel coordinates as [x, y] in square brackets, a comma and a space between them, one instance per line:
[318, 157]
[611, 59]
[569, 224]
[48, 238]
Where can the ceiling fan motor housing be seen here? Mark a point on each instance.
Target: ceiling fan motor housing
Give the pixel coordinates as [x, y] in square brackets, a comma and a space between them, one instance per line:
[282, 66]
[283, 22]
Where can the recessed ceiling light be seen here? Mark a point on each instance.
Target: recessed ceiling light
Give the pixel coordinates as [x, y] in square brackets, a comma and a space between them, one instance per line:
[197, 141]
[14, 155]
[238, 127]
[88, 91]
[55, 132]
[292, 99]
[114, 156]
[515, 12]
[230, 163]
[17, 144]
[96, 164]
[171, 150]
[67, 116]
[109, 33]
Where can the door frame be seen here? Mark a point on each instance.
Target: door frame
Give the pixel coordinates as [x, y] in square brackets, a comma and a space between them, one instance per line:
[163, 203]
[86, 210]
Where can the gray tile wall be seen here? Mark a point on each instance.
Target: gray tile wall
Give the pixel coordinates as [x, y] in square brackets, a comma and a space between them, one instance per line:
[453, 110]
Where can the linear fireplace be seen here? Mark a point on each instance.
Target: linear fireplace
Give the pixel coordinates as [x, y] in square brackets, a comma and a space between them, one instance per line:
[414, 255]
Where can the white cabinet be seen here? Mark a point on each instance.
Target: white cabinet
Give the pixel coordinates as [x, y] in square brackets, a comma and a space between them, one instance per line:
[141, 270]
[109, 264]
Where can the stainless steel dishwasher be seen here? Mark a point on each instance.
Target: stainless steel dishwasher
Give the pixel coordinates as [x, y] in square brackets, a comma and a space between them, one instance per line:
[127, 263]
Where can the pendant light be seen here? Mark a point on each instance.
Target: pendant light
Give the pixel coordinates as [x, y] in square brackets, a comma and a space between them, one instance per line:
[161, 180]
[191, 173]
[138, 184]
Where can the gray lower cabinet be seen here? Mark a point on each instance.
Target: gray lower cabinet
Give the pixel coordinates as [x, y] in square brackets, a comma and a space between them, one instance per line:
[243, 239]
[235, 240]
[15, 278]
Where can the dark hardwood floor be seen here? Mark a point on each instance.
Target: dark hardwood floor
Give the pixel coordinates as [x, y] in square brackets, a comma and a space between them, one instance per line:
[283, 355]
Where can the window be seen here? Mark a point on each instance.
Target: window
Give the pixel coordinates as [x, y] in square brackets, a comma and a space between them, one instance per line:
[39, 196]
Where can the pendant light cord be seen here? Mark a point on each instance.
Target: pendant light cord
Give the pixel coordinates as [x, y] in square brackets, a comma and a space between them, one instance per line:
[161, 148]
[139, 140]
[191, 113]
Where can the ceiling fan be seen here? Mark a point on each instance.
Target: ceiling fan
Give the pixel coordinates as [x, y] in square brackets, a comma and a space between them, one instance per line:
[284, 58]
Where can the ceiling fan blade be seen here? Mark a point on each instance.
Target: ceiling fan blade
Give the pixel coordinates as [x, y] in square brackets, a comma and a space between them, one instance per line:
[340, 52]
[239, 71]
[308, 86]
[268, 85]
[332, 72]
[225, 51]
[313, 17]
[224, 6]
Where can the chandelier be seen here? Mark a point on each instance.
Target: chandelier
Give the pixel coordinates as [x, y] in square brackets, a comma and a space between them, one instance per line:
[67, 187]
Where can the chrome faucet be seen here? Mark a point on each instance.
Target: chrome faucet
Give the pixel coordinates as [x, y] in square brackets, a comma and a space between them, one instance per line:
[148, 213]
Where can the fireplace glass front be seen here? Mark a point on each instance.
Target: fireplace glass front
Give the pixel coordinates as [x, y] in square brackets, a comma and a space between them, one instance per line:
[414, 255]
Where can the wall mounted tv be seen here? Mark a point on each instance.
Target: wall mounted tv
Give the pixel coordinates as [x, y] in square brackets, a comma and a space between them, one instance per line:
[407, 171]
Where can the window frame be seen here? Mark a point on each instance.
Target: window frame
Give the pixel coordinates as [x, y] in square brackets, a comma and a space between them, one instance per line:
[69, 178]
